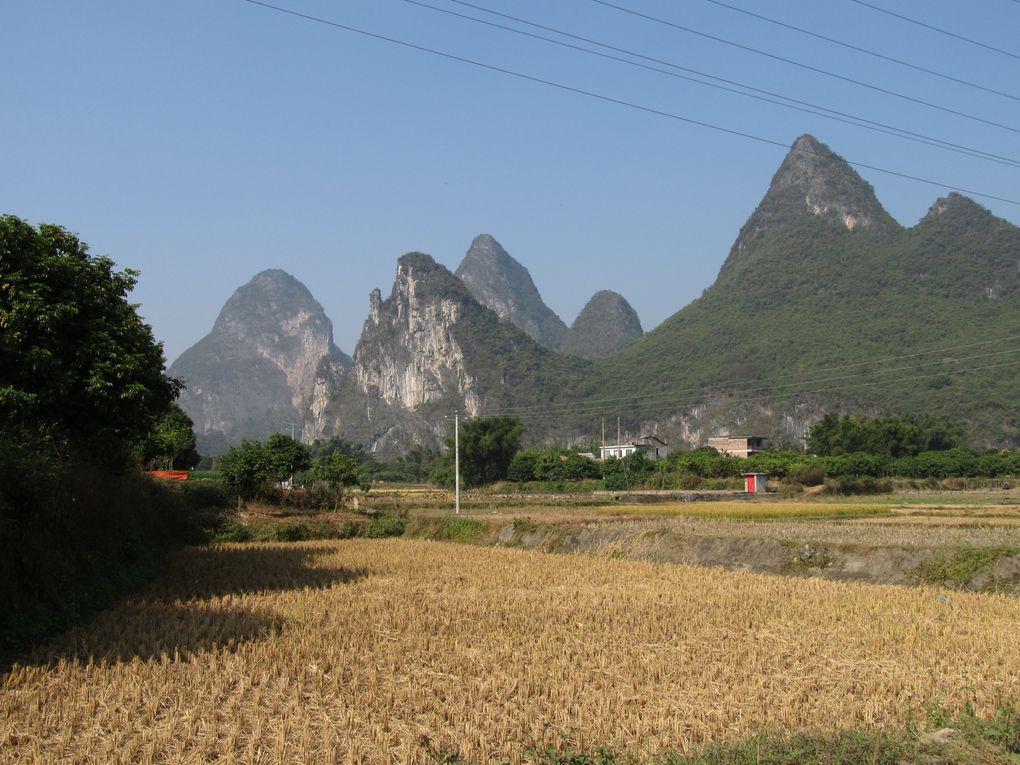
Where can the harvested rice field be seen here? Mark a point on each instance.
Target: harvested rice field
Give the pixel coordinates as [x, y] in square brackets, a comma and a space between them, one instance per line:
[399, 651]
[748, 511]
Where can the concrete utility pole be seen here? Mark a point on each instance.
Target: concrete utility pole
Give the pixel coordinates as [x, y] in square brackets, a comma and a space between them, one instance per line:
[456, 461]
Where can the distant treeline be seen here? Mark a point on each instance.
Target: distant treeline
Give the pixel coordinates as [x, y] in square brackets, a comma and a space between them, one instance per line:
[839, 446]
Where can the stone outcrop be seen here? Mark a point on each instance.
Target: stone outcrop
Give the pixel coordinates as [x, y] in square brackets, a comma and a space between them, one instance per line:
[268, 365]
[408, 354]
[431, 349]
[503, 285]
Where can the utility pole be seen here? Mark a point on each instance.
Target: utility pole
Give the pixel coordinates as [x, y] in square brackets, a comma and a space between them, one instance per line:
[456, 461]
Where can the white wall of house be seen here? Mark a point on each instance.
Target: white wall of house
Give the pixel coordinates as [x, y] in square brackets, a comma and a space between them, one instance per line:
[619, 451]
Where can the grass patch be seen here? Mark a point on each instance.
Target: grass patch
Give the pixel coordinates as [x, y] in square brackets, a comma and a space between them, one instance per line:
[236, 530]
[970, 741]
[958, 566]
[464, 530]
[808, 558]
[747, 511]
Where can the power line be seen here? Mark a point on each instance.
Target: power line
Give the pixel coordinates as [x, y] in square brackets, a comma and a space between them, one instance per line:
[618, 101]
[802, 65]
[946, 32]
[866, 51]
[793, 103]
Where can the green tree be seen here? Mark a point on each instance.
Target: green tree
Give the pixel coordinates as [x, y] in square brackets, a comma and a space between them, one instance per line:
[78, 366]
[891, 437]
[522, 466]
[340, 471]
[171, 442]
[246, 468]
[286, 456]
[487, 445]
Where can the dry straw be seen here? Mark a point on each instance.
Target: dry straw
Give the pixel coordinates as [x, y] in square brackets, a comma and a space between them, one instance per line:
[364, 651]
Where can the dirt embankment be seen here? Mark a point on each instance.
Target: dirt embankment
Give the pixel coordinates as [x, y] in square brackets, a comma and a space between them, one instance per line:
[949, 560]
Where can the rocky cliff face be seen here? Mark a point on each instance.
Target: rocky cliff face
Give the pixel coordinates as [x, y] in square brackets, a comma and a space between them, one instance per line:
[431, 349]
[503, 285]
[268, 364]
[408, 354]
[606, 325]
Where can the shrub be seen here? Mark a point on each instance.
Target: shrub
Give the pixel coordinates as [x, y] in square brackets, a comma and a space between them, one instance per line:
[522, 466]
[386, 525]
[810, 474]
[855, 464]
[858, 484]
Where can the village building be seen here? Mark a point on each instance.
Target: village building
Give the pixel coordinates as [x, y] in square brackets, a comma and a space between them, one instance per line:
[652, 447]
[737, 446]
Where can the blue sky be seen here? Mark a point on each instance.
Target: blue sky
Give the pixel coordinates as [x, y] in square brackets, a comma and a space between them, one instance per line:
[201, 141]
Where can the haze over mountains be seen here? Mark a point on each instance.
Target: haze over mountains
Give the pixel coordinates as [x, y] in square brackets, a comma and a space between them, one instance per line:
[268, 365]
[825, 302]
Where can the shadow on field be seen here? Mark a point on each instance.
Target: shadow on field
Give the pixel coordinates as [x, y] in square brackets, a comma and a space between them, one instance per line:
[199, 604]
[209, 572]
[150, 631]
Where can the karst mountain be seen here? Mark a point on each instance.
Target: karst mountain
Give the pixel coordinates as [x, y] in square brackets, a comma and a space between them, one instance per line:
[824, 303]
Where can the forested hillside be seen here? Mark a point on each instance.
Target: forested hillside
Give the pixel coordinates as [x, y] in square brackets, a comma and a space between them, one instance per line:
[825, 303]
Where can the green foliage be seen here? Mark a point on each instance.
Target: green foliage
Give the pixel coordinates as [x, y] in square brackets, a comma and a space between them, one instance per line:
[891, 437]
[82, 389]
[805, 296]
[87, 538]
[958, 567]
[976, 741]
[78, 367]
[414, 467]
[170, 445]
[705, 462]
[235, 530]
[286, 456]
[487, 446]
[522, 466]
[246, 469]
[386, 525]
[552, 466]
[339, 471]
[459, 529]
[857, 484]
[627, 473]
[325, 448]
[853, 464]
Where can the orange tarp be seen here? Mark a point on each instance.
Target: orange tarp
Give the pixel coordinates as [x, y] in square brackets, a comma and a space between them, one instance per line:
[172, 475]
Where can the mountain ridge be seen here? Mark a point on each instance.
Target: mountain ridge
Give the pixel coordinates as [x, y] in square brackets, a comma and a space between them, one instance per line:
[824, 303]
[606, 325]
[258, 370]
[499, 282]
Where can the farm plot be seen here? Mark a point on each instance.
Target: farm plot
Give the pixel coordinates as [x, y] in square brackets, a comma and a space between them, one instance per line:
[398, 650]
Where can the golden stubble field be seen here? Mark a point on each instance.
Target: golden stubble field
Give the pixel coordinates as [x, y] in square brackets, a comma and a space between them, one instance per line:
[357, 651]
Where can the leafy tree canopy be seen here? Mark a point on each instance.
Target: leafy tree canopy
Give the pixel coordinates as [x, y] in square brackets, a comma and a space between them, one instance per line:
[77, 363]
[487, 445]
[246, 468]
[170, 443]
[894, 437]
[286, 456]
[340, 471]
